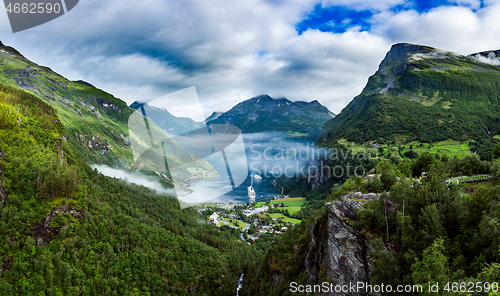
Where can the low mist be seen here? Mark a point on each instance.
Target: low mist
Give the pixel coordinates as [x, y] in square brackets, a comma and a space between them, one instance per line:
[274, 154]
[135, 178]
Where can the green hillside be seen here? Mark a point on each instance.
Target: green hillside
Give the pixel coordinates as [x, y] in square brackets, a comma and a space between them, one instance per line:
[65, 229]
[422, 94]
[96, 122]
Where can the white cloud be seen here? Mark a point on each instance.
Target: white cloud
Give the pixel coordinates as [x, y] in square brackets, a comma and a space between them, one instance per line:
[231, 51]
[451, 28]
[474, 4]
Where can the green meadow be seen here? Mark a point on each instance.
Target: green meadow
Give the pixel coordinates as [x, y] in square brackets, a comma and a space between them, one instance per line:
[284, 218]
[289, 202]
[448, 147]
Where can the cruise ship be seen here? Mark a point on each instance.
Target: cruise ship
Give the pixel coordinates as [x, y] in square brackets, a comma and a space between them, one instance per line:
[251, 194]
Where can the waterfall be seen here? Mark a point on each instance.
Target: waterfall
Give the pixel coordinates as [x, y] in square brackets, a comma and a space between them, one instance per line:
[239, 284]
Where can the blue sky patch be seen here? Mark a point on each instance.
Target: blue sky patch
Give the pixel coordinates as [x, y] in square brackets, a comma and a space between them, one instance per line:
[339, 19]
[426, 5]
[335, 19]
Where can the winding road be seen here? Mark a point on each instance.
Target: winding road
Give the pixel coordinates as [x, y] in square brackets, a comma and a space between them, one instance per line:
[247, 226]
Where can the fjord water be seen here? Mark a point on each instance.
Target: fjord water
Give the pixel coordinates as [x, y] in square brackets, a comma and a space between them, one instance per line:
[269, 155]
[263, 188]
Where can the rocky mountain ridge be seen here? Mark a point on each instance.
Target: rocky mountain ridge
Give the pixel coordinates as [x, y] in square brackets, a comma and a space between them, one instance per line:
[425, 94]
[264, 114]
[85, 110]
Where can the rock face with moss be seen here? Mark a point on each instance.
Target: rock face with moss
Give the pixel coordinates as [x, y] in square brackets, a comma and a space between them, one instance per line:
[425, 94]
[323, 249]
[344, 259]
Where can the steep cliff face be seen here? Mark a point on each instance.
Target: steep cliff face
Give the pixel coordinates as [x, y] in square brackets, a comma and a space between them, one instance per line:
[324, 249]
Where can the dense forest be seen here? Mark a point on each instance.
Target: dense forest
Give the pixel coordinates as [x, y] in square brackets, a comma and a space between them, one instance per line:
[433, 230]
[65, 229]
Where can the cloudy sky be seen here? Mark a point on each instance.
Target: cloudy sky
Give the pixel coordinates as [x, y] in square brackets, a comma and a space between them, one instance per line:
[232, 50]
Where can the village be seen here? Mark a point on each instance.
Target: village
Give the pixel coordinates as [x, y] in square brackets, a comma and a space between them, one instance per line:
[273, 217]
[254, 219]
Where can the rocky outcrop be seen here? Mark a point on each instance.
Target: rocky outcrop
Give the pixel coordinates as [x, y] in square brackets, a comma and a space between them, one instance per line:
[63, 84]
[28, 72]
[105, 103]
[44, 233]
[348, 204]
[93, 142]
[3, 191]
[337, 253]
[399, 54]
[347, 259]
[25, 78]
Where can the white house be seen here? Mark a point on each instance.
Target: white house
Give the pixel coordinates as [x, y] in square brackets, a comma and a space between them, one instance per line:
[214, 219]
[253, 211]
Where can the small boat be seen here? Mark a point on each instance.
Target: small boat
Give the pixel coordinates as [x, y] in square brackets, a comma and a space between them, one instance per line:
[257, 177]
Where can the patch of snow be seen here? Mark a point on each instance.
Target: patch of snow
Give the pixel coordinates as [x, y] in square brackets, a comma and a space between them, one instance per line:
[439, 54]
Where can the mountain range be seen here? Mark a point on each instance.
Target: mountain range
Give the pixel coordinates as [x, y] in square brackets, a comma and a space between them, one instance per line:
[66, 229]
[292, 120]
[263, 113]
[97, 123]
[95, 120]
[173, 125]
[406, 232]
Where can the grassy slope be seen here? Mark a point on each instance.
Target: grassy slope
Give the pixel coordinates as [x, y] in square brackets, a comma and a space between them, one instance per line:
[449, 147]
[96, 122]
